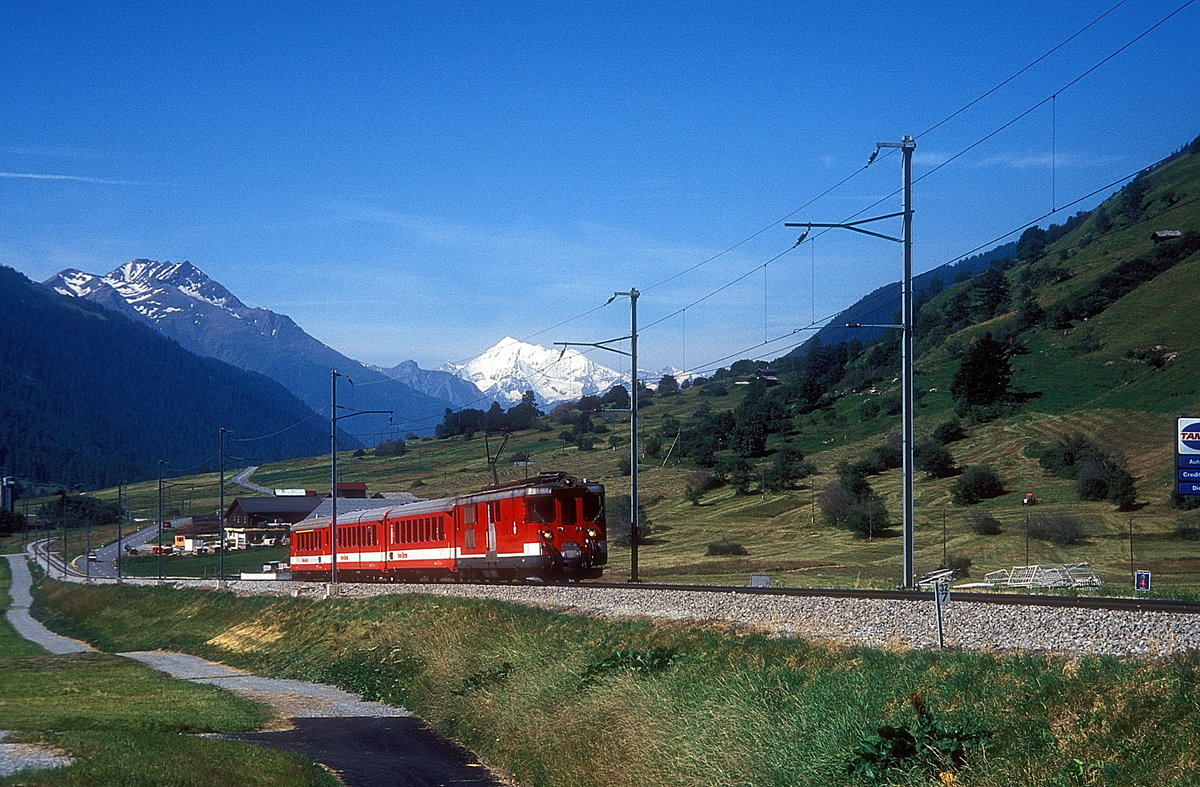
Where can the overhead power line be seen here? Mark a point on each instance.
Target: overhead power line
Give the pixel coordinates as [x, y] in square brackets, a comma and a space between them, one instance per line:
[1071, 83]
[887, 290]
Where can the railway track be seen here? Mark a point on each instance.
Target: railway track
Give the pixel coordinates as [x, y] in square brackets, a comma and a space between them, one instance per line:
[1010, 599]
[1115, 603]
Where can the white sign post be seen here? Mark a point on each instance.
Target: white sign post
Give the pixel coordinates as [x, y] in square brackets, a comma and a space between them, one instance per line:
[941, 595]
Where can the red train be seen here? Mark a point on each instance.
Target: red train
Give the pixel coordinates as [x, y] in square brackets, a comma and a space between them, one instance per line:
[548, 528]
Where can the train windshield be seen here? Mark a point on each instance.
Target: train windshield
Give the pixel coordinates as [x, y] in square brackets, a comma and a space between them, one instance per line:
[593, 507]
[539, 509]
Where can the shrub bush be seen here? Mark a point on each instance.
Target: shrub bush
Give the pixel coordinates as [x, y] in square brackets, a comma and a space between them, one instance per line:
[949, 432]
[983, 523]
[1184, 532]
[975, 484]
[935, 460]
[1184, 502]
[852, 504]
[619, 521]
[726, 547]
[1062, 529]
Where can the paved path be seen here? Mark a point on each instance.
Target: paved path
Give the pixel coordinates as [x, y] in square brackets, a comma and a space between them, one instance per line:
[367, 744]
[242, 479]
[24, 623]
[104, 566]
[291, 699]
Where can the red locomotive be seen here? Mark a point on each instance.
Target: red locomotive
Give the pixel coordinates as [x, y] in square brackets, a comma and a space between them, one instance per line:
[549, 528]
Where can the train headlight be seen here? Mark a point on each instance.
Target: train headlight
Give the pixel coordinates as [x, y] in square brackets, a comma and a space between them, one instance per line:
[592, 532]
[547, 534]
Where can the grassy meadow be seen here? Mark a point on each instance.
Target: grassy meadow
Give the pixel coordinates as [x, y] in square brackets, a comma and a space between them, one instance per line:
[127, 724]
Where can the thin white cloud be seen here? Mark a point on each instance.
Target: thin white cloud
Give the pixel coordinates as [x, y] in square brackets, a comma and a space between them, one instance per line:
[1022, 161]
[74, 178]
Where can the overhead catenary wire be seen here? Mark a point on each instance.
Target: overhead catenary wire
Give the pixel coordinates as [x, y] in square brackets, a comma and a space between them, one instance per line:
[875, 153]
[888, 290]
[1007, 124]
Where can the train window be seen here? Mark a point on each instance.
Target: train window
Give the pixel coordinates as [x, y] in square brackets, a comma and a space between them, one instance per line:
[441, 529]
[569, 515]
[494, 511]
[593, 507]
[539, 509]
[469, 514]
[469, 538]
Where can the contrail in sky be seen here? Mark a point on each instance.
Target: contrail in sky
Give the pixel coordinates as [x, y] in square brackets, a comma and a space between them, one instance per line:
[77, 178]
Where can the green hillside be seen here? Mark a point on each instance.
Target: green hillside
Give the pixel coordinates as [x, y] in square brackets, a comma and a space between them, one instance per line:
[89, 397]
[1095, 316]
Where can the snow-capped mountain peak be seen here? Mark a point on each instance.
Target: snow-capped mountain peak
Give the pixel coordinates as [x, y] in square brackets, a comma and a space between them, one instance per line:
[181, 301]
[76, 283]
[511, 367]
[151, 289]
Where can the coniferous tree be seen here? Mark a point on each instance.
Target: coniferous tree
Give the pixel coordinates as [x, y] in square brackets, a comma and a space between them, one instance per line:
[983, 377]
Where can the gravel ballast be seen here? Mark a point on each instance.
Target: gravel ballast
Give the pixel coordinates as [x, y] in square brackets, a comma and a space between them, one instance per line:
[853, 621]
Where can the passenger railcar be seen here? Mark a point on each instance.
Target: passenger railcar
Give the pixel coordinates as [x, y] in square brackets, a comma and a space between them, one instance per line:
[550, 527]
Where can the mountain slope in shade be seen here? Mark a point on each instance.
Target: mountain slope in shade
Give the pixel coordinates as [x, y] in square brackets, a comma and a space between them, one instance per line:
[436, 383]
[182, 302]
[90, 397]
[883, 304]
[511, 367]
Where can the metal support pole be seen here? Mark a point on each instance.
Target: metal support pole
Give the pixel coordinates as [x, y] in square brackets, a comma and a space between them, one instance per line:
[635, 534]
[906, 148]
[120, 521]
[221, 512]
[907, 145]
[1132, 571]
[62, 512]
[333, 578]
[1027, 540]
[333, 419]
[634, 525]
[161, 462]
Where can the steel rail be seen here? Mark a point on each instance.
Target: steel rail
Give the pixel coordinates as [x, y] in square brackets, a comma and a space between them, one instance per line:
[1114, 603]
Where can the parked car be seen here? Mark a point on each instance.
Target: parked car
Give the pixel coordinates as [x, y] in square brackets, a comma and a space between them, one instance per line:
[92, 556]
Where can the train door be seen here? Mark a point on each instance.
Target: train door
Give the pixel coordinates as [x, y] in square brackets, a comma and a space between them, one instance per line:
[493, 515]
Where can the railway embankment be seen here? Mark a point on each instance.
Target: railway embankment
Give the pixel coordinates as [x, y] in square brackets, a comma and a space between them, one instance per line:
[596, 686]
[870, 622]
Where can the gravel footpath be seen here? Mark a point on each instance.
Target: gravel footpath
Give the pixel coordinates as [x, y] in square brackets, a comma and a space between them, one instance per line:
[19, 756]
[24, 623]
[290, 699]
[365, 744]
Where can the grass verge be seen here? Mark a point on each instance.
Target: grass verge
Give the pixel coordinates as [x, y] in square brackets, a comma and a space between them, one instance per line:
[202, 566]
[571, 700]
[127, 724]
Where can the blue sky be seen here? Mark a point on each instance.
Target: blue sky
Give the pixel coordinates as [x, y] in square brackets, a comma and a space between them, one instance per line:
[418, 180]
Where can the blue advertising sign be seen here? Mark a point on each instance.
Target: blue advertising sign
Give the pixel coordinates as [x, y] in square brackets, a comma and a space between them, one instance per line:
[1187, 434]
[1141, 580]
[1187, 455]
